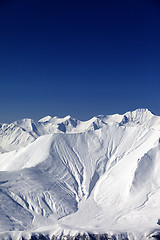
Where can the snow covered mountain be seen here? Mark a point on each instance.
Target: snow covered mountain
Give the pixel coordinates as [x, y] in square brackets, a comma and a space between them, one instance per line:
[63, 176]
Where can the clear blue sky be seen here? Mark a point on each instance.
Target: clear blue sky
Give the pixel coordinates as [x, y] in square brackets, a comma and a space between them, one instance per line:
[81, 58]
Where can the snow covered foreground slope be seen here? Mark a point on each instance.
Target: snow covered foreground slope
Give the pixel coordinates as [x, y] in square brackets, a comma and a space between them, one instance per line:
[68, 176]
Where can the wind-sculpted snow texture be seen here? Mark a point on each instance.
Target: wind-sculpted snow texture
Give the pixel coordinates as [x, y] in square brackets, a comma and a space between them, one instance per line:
[62, 176]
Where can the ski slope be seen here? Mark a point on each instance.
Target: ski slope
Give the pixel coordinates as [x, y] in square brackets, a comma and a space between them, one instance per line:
[62, 176]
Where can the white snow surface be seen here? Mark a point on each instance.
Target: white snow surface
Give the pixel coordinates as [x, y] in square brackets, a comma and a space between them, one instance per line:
[64, 176]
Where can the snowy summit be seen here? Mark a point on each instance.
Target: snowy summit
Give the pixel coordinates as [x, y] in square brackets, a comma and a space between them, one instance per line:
[62, 176]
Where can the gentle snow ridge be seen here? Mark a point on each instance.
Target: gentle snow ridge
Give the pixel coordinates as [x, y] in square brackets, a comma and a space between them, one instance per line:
[65, 175]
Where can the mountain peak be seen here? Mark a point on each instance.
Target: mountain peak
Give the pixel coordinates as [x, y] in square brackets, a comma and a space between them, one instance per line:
[143, 111]
[45, 119]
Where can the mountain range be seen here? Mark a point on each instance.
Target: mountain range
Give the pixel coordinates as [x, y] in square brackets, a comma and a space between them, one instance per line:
[62, 176]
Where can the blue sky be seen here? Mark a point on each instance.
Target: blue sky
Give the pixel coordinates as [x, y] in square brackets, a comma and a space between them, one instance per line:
[81, 58]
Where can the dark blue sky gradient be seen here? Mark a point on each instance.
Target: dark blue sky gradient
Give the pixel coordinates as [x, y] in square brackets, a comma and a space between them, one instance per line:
[81, 58]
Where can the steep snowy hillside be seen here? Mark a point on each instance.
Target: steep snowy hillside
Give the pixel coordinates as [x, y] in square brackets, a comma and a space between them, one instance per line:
[62, 176]
[21, 133]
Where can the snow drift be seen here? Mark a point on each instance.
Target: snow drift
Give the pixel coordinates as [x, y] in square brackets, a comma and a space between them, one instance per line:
[64, 176]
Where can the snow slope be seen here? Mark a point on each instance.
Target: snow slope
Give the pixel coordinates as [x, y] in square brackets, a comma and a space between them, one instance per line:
[65, 175]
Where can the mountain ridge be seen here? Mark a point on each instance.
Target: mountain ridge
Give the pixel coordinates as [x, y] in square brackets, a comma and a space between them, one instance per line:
[27, 130]
[98, 176]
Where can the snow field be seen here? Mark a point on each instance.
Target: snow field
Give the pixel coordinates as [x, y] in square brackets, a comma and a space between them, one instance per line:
[64, 175]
